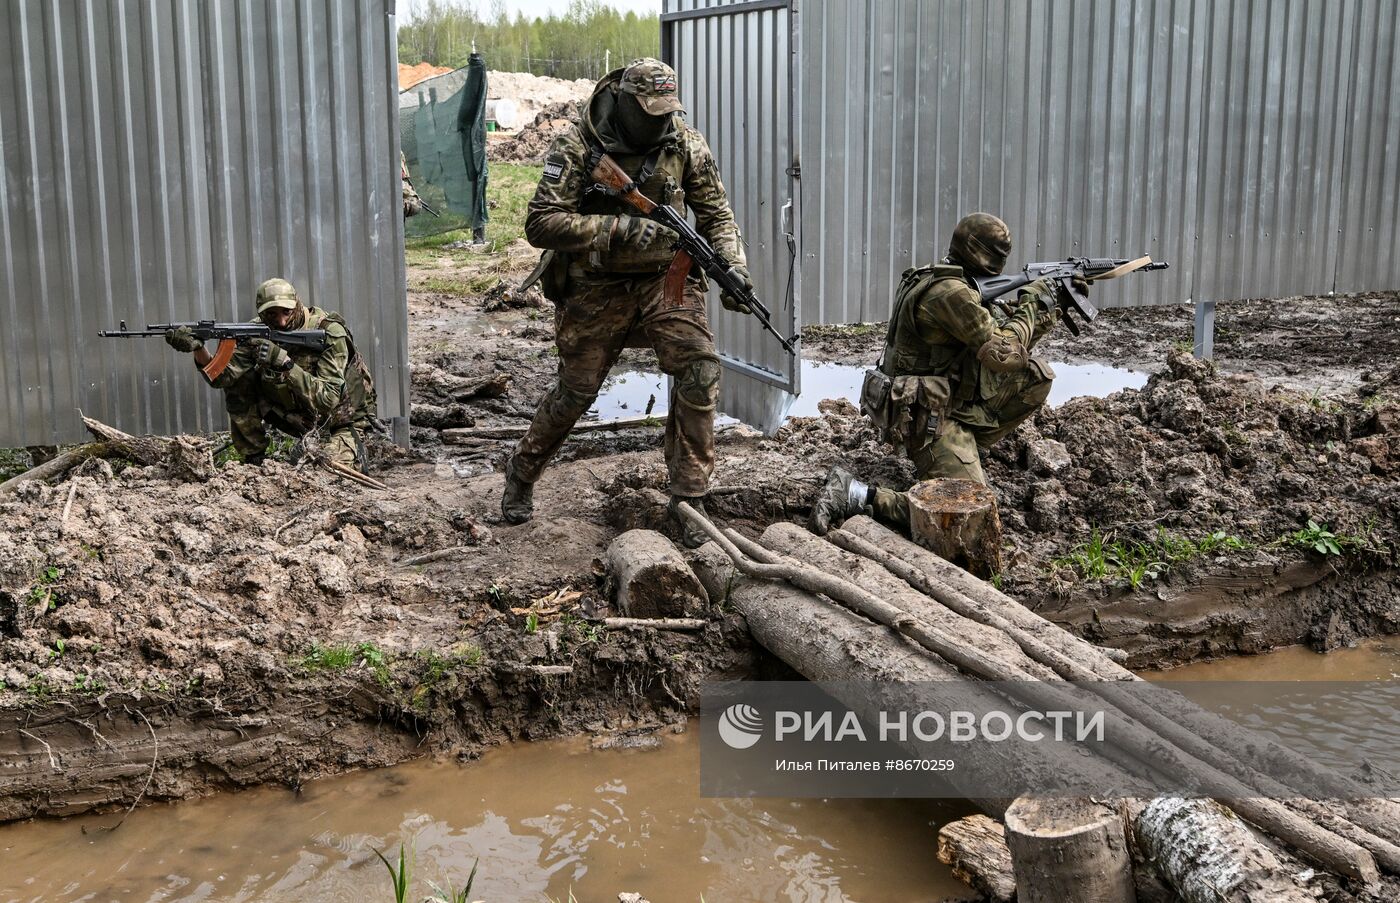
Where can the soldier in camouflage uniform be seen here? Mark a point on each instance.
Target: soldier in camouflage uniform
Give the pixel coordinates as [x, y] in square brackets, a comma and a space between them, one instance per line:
[298, 392]
[963, 377]
[607, 276]
[412, 203]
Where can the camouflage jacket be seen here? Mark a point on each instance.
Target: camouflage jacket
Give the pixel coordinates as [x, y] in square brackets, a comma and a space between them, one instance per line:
[943, 323]
[330, 387]
[566, 216]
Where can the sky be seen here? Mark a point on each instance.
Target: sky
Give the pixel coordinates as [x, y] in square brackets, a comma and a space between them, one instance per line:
[532, 8]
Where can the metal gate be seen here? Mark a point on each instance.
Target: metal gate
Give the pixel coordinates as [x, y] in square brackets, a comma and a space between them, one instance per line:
[735, 61]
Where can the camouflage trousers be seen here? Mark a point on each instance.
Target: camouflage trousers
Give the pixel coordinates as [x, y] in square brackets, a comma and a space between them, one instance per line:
[254, 404]
[599, 318]
[1008, 400]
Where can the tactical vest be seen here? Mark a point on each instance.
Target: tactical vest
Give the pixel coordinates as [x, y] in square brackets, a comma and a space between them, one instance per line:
[659, 175]
[358, 398]
[907, 353]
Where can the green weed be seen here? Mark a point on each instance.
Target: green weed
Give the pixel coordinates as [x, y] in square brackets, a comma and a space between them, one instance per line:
[1104, 558]
[532, 622]
[453, 895]
[43, 595]
[340, 658]
[397, 877]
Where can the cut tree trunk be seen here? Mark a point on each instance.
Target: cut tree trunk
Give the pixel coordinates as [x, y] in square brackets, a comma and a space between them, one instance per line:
[1069, 849]
[975, 849]
[652, 579]
[957, 519]
[1208, 855]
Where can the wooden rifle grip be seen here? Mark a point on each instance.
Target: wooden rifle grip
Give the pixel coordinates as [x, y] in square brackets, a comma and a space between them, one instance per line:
[222, 356]
[673, 291]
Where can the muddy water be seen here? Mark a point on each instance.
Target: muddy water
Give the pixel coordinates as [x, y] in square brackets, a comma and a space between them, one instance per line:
[542, 818]
[1373, 659]
[629, 392]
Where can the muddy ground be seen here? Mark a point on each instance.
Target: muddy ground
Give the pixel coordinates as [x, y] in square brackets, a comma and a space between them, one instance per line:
[266, 625]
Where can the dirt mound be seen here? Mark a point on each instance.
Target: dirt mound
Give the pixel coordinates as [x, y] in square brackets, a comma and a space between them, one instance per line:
[533, 93]
[532, 141]
[412, 75]
[273, 624]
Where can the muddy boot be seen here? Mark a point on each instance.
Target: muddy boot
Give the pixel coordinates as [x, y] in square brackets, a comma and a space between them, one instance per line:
[843, 496]
[517, 501]
[692, 537]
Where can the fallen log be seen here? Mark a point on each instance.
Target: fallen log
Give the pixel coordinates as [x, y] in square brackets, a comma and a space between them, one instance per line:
[680, 624]
[515, 431]
[958, 520]
[1378, 817]
[1069, 849]
[1132, 740]
[651, 578]
[1209, 856]
[1135, 704]
[975, 849]
[57, 466]
[801, 545]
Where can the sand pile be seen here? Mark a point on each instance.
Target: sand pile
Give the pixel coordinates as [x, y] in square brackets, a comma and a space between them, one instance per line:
[533, 93]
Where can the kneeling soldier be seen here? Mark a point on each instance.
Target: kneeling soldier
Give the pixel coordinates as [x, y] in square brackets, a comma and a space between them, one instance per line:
[959, 377]
[327, 392]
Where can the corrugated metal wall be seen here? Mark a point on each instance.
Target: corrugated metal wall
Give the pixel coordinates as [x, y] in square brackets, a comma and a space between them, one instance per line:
[163, 157]
[1252, 144]
[734, 61]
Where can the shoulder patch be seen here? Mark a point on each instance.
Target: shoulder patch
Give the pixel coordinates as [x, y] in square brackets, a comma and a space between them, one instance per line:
[554, 168]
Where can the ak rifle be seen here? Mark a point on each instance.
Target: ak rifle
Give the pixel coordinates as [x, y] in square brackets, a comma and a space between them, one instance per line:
[1063, 272]
[691, 246]
[228, 335]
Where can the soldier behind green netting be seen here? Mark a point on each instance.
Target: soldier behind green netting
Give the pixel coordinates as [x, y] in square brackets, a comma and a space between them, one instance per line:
[328, 394]
[961, 377]
[608, 274]
[412, 203]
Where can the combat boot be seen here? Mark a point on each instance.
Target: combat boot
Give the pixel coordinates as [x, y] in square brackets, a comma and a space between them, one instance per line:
[518, 498]
[843, 496]
[692, 537]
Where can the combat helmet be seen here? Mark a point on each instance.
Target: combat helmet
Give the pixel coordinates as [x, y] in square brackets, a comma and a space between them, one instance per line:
[981, 244]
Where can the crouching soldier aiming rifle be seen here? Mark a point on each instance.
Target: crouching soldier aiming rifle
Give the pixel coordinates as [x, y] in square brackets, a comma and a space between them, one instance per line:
[958, 372]
[294, 368]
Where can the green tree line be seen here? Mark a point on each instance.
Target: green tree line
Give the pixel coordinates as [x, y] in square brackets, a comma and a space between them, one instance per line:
[578, 44]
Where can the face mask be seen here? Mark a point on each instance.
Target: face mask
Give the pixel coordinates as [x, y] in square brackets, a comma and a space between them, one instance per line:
[639, 128]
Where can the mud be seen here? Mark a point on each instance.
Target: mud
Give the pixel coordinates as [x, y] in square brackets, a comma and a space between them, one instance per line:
[199, 616]
[532, 140]
[1307, 343]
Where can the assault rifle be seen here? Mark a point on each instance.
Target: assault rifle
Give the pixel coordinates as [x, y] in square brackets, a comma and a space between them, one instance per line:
[691, 246]
[228, 335]
[1090, 269]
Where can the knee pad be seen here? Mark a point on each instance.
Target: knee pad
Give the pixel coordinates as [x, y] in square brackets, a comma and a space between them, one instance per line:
[697, 384]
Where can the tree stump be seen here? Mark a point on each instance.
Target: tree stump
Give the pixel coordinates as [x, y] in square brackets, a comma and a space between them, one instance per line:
[1069, 849]
[958, 520]
[652, 579]
[975, 848]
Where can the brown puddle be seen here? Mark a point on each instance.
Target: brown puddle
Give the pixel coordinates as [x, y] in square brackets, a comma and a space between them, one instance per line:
[544, 819]
[1377, 658]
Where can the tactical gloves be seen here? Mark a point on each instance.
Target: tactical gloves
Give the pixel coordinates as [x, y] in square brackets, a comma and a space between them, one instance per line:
[732, 303]
[641, 233]
[269, 357]
[1045, 293]
[182, 338]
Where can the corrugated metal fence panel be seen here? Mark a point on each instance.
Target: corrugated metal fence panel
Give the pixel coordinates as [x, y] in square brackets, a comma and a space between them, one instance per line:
[162, 159]
[1368, 257]
[734, 69]
[1253, 145]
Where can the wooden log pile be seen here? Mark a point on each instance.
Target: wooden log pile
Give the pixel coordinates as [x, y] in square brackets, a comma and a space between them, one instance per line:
[812, 601]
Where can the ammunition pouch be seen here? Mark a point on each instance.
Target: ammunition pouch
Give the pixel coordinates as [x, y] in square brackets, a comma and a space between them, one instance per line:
[554, 282]
[907, 410]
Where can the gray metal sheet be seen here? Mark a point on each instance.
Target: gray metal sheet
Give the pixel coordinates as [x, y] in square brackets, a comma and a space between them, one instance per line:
[1253, 145]
[162, 159]
[734, 64]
